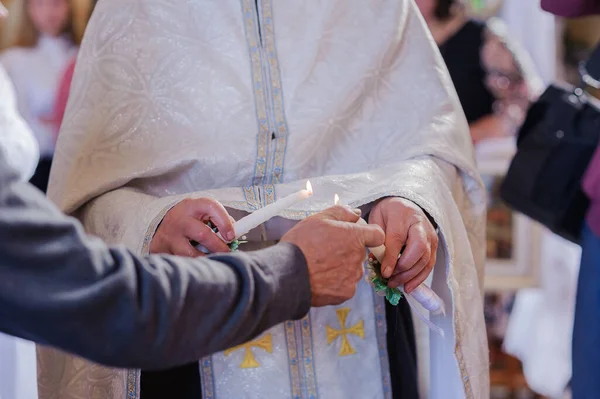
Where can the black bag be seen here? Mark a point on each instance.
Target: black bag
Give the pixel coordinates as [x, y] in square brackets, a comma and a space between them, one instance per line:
[554, 147]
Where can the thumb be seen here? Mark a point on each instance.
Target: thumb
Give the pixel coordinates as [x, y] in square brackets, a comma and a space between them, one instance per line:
[371, 235]
[218, 216]
[394, 241]
[341, 214]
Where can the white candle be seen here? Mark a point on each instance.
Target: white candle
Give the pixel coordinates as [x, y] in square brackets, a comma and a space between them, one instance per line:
[378, 252]
[423, 294]
[260, 216]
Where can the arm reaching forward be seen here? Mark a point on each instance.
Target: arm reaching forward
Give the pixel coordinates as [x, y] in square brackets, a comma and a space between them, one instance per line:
[61, 288]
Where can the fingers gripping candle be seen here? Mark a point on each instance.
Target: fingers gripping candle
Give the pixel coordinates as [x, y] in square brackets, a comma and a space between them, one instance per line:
[422, 294]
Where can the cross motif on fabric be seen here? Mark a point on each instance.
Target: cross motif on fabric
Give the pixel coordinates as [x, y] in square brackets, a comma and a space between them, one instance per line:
[250, 362]
[332, 334]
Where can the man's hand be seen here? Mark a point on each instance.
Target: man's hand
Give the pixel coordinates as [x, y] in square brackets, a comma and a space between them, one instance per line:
[406, 226]
[186, 222]
[335, 249]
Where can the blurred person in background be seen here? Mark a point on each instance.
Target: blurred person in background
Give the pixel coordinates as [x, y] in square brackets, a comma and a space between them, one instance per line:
[62, 95]
[494, 82]
[45, 45]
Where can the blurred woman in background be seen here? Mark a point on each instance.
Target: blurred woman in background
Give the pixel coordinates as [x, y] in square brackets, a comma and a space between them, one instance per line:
[64, 87]
[46, 44]
[493, 81]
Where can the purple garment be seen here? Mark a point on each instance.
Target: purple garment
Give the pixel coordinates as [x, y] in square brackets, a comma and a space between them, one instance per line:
[591, 185]
[591, 180]
[571, 8]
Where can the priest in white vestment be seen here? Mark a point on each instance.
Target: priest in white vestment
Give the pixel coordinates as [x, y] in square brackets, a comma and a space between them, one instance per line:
[241, 101]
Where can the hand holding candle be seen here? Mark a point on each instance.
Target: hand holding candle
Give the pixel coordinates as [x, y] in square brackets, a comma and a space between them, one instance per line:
[422, 294]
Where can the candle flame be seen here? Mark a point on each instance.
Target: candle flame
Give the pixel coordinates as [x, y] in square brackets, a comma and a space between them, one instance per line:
[336, 199]
[309, 187]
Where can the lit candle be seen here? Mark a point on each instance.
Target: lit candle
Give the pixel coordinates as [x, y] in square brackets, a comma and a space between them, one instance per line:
[260, 216]
[422, 294]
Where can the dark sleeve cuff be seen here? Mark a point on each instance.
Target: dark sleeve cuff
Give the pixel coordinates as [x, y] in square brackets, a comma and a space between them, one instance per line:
[287, 266]
[431, 219]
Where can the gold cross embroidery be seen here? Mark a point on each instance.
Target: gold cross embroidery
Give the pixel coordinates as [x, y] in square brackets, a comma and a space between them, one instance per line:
[249, 362]
[332, 334]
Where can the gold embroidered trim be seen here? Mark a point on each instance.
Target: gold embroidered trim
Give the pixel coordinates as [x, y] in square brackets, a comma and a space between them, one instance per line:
[260, 100]
[310, 379]
[460, 358]
[151, 230]
[281, 129]
[208, 386]
[132, 384]
[293, 359]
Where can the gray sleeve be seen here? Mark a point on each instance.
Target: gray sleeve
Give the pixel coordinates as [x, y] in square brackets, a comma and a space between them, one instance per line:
[59, 287]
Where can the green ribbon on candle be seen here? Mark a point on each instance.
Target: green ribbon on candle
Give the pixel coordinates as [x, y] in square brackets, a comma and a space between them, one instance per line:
[380, 284]
[477, 4]
[233, 245]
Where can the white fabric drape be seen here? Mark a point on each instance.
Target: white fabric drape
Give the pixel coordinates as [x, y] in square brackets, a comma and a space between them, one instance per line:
[540, 328]
[16, 139]
[181, 99]
[19, 147]
[537, 33]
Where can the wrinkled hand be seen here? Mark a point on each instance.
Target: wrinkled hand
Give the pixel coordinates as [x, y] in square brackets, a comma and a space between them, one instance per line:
[335, 249]
[186, 222]
[406, 226]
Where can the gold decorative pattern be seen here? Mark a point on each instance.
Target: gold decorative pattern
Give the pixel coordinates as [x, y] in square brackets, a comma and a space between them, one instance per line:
[269, 193]
[280, 129]
[380, 330]
[250, 194]
[293, 357]
[461, 361]
[260, 100]
[250, 362]
[332, 334]
[145, 250]
[132, 383]
[208, 386]
[310, 375]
